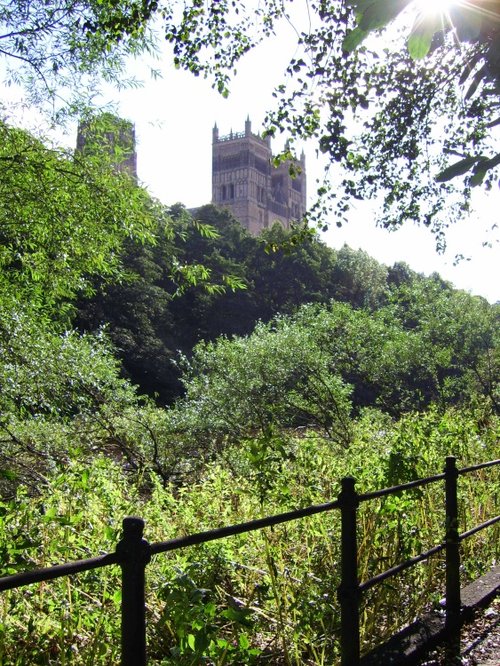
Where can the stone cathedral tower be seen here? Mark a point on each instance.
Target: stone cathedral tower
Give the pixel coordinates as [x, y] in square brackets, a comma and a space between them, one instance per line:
[245, 181]
[107, 134]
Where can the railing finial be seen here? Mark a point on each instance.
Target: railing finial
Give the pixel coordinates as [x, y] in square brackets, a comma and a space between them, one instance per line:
[348, 591]
[135, 553]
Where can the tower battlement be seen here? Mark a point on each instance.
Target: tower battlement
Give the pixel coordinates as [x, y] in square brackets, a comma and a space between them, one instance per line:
[245, 181]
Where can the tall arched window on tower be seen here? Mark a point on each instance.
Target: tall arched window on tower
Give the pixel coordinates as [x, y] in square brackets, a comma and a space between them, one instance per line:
[231, 190]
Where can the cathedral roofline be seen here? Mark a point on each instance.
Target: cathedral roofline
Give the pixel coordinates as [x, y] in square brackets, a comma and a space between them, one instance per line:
[246, 181]
[236, 136]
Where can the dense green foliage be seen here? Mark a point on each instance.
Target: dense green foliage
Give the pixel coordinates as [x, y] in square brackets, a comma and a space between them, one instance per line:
[326, 364]
[63, 218]
[67, 223]
[266, 596]
[362, 384]
[454, 336]
[322, 366]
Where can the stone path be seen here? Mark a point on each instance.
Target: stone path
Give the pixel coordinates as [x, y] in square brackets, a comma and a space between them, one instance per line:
[480, 640]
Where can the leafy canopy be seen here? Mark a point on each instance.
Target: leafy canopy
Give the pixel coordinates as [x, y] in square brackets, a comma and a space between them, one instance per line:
[407, 113]
[63, 219]
[59, 49]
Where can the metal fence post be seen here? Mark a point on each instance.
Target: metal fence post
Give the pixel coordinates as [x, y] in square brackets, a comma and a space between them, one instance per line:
[453, 600]
[348, 591]
[135, 553]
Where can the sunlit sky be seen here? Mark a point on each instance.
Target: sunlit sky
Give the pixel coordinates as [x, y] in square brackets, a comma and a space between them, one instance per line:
[174, 117]
[434, 6]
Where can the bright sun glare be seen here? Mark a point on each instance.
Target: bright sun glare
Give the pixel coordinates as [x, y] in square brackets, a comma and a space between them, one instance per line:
[434, 6]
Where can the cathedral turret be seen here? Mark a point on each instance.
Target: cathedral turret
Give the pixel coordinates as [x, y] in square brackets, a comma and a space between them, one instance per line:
[244, 180]
[107, 134]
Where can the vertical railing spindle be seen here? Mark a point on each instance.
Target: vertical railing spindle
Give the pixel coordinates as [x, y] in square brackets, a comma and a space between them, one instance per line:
[136, 553]
[348, 592]
[453, 600]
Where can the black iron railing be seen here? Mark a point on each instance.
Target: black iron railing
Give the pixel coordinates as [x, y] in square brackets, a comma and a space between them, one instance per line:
[133, 553]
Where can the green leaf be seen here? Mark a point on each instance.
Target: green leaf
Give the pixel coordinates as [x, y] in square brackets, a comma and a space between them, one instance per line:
[457, 169]
[205, 230]
[359, 6]
[7, 474]
[478, 176]
[481, 169]
[239, 615]
[50, 513]
[379, 14]
[353, 40]
[419, 44]
[420, 39]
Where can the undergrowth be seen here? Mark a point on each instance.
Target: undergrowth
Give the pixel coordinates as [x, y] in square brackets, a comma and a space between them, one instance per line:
[267, 597]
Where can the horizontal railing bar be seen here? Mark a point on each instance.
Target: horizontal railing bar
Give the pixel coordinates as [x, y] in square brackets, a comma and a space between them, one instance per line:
[379, 578]
[478, 528]
[57, 571]
[241, 528]
[473, 468]
[363, 497]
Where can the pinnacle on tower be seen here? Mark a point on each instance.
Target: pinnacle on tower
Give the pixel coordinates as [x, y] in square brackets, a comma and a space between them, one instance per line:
[245, 182]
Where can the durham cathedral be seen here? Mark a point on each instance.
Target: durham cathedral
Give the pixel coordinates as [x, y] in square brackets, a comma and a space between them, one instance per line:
[244, 179]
